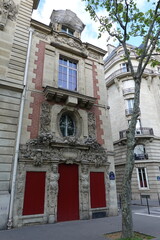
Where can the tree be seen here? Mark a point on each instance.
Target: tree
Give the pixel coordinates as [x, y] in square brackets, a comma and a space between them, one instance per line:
[122, 21]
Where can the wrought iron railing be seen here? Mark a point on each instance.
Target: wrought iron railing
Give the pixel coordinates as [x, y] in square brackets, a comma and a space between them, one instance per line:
[138, 132]
[140, 156]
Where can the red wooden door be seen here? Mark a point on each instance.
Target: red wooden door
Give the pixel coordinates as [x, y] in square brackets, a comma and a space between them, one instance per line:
[68, 195]
[97, 190]
[34, 193]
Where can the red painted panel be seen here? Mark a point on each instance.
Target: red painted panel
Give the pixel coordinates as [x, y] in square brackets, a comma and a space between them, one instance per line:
[97, 190]
[34, 193]
[68, 195]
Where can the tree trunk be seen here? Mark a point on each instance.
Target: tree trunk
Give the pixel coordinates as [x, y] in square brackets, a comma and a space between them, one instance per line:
[127, 222]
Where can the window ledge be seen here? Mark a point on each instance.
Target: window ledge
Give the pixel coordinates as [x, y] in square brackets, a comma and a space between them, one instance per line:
[70, 98]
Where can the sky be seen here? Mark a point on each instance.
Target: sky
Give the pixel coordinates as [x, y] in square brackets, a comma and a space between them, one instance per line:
[90, 33]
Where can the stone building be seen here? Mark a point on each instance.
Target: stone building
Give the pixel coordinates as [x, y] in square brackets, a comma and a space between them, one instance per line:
[60, 167]
[14, 33]
[120, 92]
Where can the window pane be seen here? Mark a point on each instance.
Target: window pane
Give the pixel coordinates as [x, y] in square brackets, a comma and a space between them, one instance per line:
[67, 125]
[67, 77]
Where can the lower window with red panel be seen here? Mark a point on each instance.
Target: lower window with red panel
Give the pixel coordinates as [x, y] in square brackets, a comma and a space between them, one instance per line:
[34, 196]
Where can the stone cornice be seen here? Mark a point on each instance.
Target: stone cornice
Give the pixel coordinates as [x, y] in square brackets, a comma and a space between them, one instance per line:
[69, 97]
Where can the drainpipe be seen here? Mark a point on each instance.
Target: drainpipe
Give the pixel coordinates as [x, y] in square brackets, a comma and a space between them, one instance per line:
[15, 161]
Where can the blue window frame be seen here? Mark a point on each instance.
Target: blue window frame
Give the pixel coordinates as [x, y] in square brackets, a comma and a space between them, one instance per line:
[67, 77]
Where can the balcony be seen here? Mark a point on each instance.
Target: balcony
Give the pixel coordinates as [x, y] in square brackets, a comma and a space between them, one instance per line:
[140, 156]
[70, 98]
[128, 90]
[140, 132]
[122, 72]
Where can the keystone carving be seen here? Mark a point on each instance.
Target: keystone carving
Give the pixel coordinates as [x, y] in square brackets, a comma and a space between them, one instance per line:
[8, 10]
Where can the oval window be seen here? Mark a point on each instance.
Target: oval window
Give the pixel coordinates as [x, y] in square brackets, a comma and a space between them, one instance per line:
[67, 125]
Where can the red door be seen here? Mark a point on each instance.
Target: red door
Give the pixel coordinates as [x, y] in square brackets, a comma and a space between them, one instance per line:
[34, 193]
[97, 190]
[68, 195]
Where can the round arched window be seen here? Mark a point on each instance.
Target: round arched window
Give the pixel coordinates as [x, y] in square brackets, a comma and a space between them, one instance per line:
[67, 125]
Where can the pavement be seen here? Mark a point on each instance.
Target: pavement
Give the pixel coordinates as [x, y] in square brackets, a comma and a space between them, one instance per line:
[93, 229]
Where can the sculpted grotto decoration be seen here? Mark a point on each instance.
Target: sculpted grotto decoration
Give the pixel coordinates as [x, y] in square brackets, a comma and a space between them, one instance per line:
[45, 118]
[91, 125]
[49, 148]
[84, 177]
[8, 10]
[53, 192]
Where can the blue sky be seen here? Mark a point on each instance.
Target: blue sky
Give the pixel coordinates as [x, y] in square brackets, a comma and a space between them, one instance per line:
[90, 33]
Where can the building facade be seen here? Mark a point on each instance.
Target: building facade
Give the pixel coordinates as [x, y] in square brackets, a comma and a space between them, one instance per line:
[120, 92]
[14, 33]
[62, 166]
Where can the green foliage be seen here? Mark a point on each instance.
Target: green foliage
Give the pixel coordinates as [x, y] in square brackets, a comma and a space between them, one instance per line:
[123, 20]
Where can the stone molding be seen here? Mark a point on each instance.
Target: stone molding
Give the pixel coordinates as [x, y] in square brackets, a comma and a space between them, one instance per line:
[8, 10]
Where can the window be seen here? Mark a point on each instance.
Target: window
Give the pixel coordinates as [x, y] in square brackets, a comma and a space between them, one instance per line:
[67, 125]
[129, 106]
[67, 30]
[139, 152]
[142, 177]
[67, 77]
[124, 67]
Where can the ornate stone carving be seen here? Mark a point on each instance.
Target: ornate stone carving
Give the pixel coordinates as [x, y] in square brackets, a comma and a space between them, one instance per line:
[8, 10]
[70, 42]
[47, 147]
[84, 177]
[45, 118]
[93, 55]
[68, 18]
[53, 192]
[91, 125]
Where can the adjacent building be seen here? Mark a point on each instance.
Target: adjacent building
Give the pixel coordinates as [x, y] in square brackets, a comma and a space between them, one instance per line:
[56, 151]
[120, 92]
[15, 19]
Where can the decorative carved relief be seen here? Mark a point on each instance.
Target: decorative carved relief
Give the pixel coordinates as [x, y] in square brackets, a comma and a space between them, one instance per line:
[45, 118]
[70, 42]
[84, 177]
[53, 190]
[93, 55]
[48, 147]
[91, 125]
[8, 10]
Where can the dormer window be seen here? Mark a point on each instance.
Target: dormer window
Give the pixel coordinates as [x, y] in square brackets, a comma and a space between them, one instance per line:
[67, 30]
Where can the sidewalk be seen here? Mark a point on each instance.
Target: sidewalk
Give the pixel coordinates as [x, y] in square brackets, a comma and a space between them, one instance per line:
[82, 230]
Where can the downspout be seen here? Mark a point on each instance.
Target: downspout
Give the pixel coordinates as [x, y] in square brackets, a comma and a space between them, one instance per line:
[16, 152]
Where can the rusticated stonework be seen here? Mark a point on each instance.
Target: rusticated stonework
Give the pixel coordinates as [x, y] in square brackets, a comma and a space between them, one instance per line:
[8, 10]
